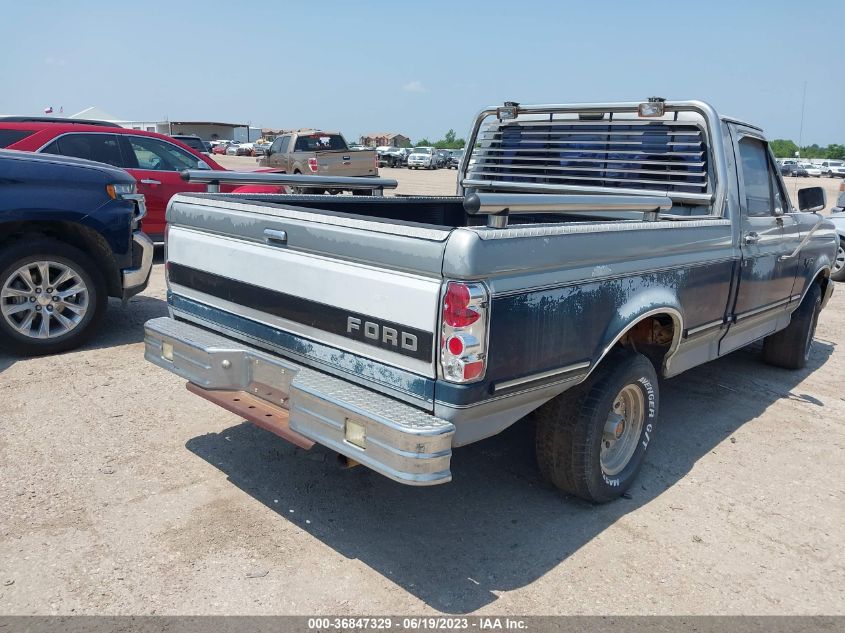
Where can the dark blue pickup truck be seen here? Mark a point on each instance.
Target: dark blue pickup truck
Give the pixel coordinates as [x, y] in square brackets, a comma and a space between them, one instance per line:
[593, 249]
[69, 238]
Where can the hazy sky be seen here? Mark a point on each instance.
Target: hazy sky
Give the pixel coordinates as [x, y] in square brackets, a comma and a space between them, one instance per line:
[421, 67]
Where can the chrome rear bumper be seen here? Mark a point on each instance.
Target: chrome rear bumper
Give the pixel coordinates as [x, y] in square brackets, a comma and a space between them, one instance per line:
[399, 441]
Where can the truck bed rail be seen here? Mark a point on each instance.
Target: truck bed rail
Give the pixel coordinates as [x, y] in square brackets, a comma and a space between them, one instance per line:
[214, 178]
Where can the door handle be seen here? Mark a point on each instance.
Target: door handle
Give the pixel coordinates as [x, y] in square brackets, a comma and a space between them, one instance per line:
[150, 181]
[276, 236]
[751, 238]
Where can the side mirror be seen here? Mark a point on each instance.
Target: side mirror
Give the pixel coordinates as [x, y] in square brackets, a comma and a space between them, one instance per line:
[811, 199]
[201, 164]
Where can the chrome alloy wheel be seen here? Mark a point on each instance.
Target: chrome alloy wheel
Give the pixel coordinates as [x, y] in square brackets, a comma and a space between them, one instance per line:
[622, 430]
[839, 262]
[44, 300]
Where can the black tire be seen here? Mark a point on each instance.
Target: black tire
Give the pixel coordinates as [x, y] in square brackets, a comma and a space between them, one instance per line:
[790, 348]
[839, 275]
[35, 250]
[570, 429]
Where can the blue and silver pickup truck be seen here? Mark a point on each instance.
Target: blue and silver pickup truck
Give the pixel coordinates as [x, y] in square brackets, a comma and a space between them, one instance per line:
[70, 237]
[592, 249]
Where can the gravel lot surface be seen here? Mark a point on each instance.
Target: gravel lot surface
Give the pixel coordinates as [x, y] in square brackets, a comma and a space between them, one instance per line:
[121, 493]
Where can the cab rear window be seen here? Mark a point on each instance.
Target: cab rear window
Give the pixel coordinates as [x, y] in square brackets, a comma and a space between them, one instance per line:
[9, 137]
[318, 142]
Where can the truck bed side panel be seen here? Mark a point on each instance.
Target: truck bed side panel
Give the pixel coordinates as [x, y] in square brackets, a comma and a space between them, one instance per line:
[546, 318]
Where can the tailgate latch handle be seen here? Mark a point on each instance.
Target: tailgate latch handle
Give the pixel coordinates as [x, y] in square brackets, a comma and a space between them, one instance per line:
[275, 236]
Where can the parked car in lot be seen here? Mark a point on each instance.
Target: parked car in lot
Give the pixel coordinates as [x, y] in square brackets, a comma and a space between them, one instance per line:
[404, 327]
[793, 169]
[70, 237]
[838, 271]
[840, 201]
[320, 153]
[812, 170]
[443, 156]
[391, 157]
[154, 160]
[837, 216]
[260, 147]
[455, 157]
[422, 157]
[833, 168]
[220, 147]
[192, 141]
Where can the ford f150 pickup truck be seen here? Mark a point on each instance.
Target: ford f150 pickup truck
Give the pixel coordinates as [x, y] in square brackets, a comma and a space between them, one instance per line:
[591, 250]
[70, 237]
[318, 153]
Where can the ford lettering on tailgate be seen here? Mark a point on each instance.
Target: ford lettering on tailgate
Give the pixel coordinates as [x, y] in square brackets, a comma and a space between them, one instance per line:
[395, 337]
[381, 333]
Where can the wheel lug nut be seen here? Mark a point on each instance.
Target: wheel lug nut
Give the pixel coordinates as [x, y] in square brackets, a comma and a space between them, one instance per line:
[32, 299]
[38, 308]
[56, 298]
[49, 290]
[38, 290]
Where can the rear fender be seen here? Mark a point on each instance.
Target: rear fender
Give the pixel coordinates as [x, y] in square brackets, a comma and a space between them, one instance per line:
[642, 305]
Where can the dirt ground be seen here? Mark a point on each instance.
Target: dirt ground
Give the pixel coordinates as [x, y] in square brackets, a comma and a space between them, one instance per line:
[121, 493]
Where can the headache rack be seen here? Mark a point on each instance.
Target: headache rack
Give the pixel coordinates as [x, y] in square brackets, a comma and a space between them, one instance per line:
[603, 149]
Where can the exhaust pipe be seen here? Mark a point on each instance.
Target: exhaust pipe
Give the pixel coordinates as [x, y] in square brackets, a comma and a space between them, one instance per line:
[346, 462]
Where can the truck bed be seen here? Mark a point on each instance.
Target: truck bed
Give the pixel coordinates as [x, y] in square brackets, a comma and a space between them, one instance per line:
[442, 212]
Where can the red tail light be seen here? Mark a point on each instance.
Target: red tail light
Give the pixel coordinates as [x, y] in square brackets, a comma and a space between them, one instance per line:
[463, 332]
[456, 306]
[312, 164]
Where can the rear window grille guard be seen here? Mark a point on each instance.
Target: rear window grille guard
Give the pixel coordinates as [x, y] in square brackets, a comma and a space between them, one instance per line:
[666, 156]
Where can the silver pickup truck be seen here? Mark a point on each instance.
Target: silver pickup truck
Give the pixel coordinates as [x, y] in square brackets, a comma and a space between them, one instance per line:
[319, 153]
[592, 249]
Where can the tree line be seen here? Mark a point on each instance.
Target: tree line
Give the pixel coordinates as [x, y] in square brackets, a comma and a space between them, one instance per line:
[449, 141]
[784, 148]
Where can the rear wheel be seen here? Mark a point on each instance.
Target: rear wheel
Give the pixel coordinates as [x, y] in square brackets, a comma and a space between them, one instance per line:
[592, 442]
[52, 297]
[790, 348]
[838, 273]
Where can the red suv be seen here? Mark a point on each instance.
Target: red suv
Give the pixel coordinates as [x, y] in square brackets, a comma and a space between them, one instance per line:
[154, 160]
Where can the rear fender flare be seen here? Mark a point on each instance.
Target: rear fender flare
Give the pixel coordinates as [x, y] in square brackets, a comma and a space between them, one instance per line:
[642, 306]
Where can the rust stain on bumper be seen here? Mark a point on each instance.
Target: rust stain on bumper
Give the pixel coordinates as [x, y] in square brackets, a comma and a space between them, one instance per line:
[260, 412]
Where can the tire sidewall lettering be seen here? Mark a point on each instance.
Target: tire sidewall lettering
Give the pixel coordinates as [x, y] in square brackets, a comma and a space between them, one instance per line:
[648, 388]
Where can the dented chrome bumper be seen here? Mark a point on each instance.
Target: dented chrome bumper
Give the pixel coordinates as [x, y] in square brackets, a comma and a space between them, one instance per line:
[399, 441]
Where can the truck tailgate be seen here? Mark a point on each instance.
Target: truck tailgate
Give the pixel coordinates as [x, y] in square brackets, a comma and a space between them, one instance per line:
[354, 297]
[346, 163]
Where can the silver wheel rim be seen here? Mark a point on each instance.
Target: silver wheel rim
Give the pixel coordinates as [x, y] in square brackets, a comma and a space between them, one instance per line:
[840, 259]
[44, 300]
[622, 430]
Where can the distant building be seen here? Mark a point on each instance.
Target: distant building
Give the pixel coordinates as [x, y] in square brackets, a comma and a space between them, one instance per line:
[206, 130]
[271, 133]
[389, 139]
